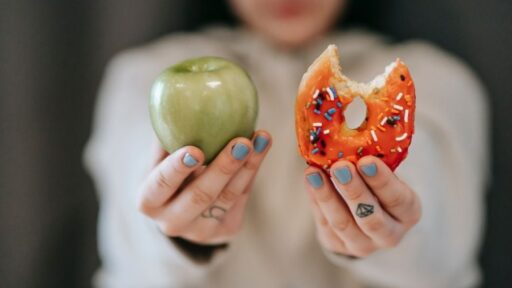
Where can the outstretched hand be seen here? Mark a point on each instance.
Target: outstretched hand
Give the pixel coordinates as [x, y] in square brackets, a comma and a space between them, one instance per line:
[360, 210]
[203, 204]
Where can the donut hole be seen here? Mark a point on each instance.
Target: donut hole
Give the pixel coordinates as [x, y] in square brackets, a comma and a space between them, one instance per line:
[355, 113]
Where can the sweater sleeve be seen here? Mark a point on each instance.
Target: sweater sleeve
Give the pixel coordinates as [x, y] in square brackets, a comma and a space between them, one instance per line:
[448, 169]
[133, 252]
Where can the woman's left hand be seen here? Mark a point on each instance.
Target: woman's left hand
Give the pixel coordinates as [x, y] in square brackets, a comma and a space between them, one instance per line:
[372, 210]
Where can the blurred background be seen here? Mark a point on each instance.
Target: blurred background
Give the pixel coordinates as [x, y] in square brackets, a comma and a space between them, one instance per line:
[52, 55]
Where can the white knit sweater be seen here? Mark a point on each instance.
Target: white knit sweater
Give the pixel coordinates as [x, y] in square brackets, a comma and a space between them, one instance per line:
[447, 166]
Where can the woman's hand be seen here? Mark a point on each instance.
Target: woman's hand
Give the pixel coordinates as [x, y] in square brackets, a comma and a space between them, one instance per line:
[372, 210]
[202, 204]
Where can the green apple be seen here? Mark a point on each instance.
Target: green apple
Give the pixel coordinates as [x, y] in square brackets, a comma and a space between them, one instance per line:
[204, 102]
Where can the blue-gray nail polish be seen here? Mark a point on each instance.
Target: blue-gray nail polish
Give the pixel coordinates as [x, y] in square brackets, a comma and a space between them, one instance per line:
[260, 143]
[239, 151]
[370, 169]
[343, 175]
[189, 160]
[315, 180]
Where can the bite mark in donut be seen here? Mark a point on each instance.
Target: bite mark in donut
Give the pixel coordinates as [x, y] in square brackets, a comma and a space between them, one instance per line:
[324, 93]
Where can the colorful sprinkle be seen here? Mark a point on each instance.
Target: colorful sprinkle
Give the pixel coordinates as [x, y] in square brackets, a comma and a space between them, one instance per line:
[394, 111]
[360, 151]
[331, 111]
[317, 124]
[319, 101]
[399, 96]
[383, 120]
[378, 148]
[316, 111]
[406, 115]
[409, 83]
[398, 107]
[316, 93]
[381, 128]
[374, 135]
[308, 105]
[327, 116]
[314, 151]
[396, 118]
[339, 104]
[332, 92]
[401, 137]
[326, 131]
[391, 121]
[399, 149]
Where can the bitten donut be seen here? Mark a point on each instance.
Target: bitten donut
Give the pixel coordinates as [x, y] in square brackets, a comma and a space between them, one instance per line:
[324, 93]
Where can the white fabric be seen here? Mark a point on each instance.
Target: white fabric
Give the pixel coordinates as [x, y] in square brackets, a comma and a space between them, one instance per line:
[447, 166]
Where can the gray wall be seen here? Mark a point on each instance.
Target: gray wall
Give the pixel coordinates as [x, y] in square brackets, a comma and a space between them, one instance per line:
[51, 58]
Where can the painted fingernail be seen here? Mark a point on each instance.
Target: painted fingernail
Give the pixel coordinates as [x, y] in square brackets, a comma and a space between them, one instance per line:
[260, 143]
[315, 180]
[343, 175]
[239, 151]
[189, 160]
[369, 169]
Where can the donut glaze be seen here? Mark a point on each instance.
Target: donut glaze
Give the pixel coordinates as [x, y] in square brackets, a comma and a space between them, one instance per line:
[324, 93]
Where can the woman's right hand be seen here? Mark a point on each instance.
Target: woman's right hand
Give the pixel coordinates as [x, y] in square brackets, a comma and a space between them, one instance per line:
[203, 204]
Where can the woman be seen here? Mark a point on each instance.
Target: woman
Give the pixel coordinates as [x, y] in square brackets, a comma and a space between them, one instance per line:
[188, 229]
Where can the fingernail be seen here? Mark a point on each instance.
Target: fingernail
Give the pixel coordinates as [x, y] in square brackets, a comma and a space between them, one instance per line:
[239, 151]
[260, 143]
[369, 169]
[343, 175]
[189, 160]
[315, 180]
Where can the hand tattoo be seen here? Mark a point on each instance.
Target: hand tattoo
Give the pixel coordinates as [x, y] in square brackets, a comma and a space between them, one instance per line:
[214, 212]
[364, 210]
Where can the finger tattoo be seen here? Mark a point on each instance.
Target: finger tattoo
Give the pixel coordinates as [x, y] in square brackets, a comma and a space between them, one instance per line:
[214, 212]
[364, 210]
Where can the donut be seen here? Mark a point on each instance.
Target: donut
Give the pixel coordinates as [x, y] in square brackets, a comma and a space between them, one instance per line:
[324, 93]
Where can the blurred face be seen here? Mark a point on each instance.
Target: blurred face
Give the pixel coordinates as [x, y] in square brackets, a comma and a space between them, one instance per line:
[289, 23]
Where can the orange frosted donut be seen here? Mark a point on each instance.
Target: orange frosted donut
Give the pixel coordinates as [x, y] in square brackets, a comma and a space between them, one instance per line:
[324, 93]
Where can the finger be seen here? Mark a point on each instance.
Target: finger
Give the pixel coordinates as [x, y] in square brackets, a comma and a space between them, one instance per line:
[326, 236]
[167, 176]
[237, 185]
[220, 231]
[336, 212]
[369, 215]
[202, 191]
[394, 195]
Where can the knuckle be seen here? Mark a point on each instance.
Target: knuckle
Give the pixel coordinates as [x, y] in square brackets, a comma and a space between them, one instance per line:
[353, 193]
[324, 196]
[397, 200]
[143, 207]
[323, 222]
[382, 182]
[374, 224]
[162, 181]
[341, 224]
[363, 251]
[251, 165]
[228, 195]
[200, 197]
[414, 217]
[229, 168]
[391, 241]
[170, 229]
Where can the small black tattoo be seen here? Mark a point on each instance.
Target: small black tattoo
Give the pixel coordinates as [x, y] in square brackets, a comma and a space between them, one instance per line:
[364, 210]
[214, 212]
